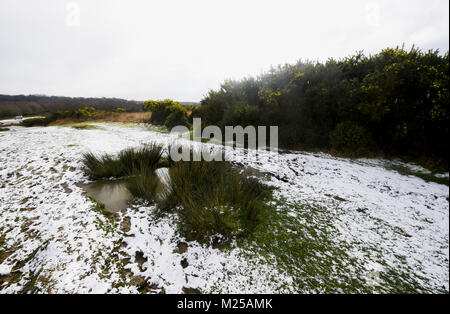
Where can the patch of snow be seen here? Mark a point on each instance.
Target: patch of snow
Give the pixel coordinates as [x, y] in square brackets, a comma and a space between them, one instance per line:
[399, 222]
[5, 270]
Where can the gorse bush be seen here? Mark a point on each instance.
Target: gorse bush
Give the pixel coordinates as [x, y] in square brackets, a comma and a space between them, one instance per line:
[167, 112]
[177, 117]
[160, 110]
[350, 139]
[400, 98]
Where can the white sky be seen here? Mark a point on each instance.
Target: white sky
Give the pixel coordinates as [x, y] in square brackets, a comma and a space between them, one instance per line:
[180, 49]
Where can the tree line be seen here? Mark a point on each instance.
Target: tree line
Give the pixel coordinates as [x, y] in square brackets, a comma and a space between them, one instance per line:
[41, 104]
[393, 103]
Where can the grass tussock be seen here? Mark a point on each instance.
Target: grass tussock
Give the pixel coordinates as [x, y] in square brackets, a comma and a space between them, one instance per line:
[128, 162]
[145, 185]
[214, 200]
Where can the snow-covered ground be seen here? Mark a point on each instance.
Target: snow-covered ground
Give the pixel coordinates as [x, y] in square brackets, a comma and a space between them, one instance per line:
[390, 230]
[17, 121]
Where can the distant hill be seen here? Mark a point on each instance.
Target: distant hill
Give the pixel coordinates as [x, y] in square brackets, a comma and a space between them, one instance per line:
[189, 103]
[13, 105]
[41, 104]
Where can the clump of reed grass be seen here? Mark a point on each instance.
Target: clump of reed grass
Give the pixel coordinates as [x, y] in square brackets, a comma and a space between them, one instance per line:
[213, 198]
[146, 185]
[145, 158]
[128, 162]
[104, 166]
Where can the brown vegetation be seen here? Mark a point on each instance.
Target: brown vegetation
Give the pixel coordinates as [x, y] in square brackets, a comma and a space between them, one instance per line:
[124, 117]
[11, 106]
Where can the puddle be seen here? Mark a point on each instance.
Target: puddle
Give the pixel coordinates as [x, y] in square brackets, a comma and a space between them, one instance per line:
[113, 194]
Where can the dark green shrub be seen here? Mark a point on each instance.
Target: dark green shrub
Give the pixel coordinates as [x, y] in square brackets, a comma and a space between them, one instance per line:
[167, 112]
[35, 122]
[241, 114]
[195, 113]
[178, 116]
[349, 138]
[160, 110]
[400, 96]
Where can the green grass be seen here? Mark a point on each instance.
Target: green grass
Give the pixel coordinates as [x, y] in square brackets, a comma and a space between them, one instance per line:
[300, 240]
[30, 286]
[428, 177]
[158, 129]
[108, 225]
[4, 129]
[215, 202]
[99, 208]
[212, 199]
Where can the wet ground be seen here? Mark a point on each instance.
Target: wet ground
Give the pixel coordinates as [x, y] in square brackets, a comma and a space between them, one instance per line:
[113, 194]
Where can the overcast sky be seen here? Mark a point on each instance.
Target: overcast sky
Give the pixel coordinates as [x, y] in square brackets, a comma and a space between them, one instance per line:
[180, 49]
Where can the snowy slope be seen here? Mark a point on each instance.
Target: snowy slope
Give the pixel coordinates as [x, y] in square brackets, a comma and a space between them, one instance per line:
[52, 241]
